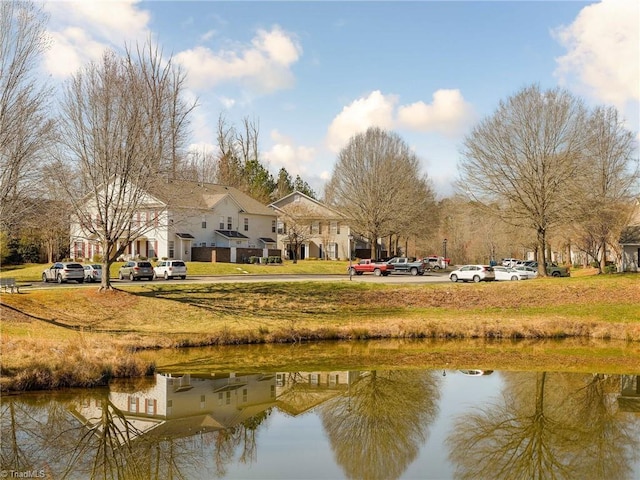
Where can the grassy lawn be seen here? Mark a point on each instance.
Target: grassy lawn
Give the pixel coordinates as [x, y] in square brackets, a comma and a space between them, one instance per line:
[78, 336]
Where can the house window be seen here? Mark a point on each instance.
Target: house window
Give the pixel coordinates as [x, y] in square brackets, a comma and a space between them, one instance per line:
[246, 224]
[171, 248]
[282, 227]
[332, 251]
[229, 223]
[228, 399]
[315, 228]
[333, 227]
[151, 243]
[273, 226]
[202, 402]
[133, 404]
[204, 224]
[221, 223]
[150, 406]
[245, 395]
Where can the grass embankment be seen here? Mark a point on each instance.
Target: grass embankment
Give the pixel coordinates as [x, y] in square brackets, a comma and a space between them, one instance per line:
[77, 336]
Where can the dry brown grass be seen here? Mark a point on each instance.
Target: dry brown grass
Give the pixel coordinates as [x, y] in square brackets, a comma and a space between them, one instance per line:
[76, 336]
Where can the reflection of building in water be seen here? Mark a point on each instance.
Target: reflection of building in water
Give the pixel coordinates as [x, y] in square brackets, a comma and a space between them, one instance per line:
[188, 404]
[298, 392]
[629, 399]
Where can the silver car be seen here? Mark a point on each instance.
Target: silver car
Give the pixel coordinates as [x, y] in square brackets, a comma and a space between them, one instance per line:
[62, 272]
[135, 270]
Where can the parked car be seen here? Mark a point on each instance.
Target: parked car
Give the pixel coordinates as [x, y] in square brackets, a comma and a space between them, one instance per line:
[405, 265]
[63, 272]
[475, 273]
[509, 262]
[553, 269]
[135, 270]
[529, 272]
[508, 273]
[434, 262]
[93, 273]
[170, 268]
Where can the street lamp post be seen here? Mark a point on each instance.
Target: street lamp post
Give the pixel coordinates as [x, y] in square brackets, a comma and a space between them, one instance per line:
[444, 248]
[350, 237]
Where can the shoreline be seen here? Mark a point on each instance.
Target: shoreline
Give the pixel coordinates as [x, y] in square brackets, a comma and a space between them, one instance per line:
[77, 337]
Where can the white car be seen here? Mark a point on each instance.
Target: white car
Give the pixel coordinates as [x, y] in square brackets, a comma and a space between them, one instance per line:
[473, 273]
[170, 268]
[93, 273]
[530, 272]
[508, 273]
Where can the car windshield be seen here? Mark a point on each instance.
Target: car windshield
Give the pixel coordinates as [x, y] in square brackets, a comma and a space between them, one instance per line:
[97, 267]
[74, 265]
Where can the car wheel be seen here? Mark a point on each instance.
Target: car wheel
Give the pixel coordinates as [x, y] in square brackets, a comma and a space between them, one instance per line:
[414, 271]
[59, 278]
[131, 277]
[183, 277]
[120, 276]
[377, 272]
[476, 278]
[454, 278]
[166, 276]
[81, 280]
[555, 274]
[515, 277]
[44, 277]
[437, 267]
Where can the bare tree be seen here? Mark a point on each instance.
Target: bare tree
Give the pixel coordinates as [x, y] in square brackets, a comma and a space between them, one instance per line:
[376, 183]
[24, 124]
[607, 184]
[297, 220]
[524, 157]
[121, 125]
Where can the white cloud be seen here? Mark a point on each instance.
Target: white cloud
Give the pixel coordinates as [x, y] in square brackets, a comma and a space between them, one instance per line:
[448, 114]
[284, 153]
[374, 110]
[264, 66]
[603, 52]
[82, 31]
[208, 35]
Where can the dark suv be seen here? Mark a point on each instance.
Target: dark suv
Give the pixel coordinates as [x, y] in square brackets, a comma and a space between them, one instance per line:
[135, 270]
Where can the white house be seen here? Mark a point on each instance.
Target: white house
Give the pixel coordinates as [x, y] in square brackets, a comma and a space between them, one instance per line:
[180, 218]
[326, 233]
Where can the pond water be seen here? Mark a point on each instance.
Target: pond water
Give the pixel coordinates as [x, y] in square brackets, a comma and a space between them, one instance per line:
[358, 424]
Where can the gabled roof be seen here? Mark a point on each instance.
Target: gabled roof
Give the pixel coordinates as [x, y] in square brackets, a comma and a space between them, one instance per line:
[315, 205]
[205, 196]
[267, 240]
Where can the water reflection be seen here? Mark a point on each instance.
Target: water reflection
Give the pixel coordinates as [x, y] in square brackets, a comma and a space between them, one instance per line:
[342, 424]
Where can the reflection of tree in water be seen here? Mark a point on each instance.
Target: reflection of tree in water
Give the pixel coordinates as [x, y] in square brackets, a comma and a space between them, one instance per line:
[241, 437]
[544, 428]
[377, 428]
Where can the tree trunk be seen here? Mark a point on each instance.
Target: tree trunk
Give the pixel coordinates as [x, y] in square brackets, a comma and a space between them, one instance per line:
[542, 256]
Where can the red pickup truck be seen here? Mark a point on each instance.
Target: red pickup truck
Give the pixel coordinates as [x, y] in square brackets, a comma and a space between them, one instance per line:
[369, 266]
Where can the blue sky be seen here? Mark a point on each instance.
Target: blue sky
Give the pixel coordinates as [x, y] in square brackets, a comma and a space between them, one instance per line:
[313, 74]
